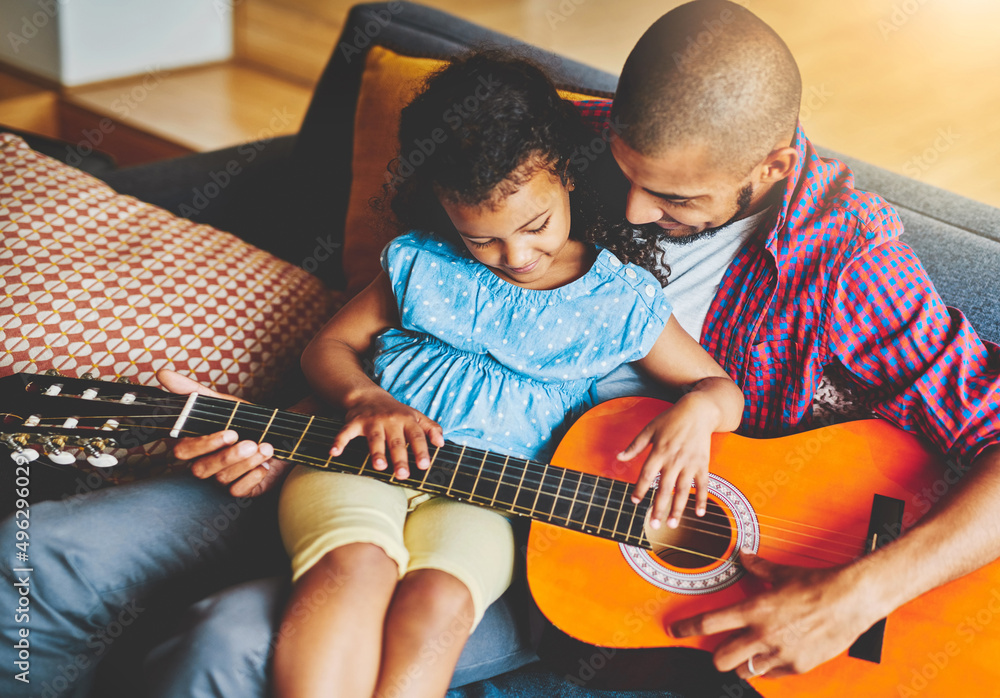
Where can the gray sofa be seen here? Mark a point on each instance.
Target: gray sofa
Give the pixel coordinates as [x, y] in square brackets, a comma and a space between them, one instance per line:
[293, 197]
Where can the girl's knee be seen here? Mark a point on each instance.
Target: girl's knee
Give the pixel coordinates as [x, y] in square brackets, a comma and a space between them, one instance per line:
[439, 595]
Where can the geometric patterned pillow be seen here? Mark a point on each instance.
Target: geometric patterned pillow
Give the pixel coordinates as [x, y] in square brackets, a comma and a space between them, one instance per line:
[109, 285]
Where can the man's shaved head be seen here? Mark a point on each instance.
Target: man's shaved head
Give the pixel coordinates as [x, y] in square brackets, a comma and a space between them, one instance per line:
[709, 73]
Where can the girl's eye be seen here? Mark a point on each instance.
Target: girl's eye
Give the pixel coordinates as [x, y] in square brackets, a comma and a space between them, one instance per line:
[540, 228]
[481, 244]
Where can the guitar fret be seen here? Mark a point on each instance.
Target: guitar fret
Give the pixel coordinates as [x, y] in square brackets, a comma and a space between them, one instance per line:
[503, 470]
[232, 414]
[479, 474]
[572, 504]
[458, 463]
[614, 530]
[606, 510]
[538, 492]
[555, 500]
[590, 504]
[423, 480]
[524, 471]
[301, 436]
[264, 433]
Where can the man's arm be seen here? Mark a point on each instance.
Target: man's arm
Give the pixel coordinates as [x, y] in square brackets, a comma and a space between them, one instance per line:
[926, 370]
[809, 616]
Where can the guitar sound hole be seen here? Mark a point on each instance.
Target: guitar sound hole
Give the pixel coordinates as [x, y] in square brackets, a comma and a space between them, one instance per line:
[697, 542]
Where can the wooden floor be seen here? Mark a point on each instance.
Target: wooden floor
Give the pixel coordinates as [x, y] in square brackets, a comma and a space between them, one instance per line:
[910, 85]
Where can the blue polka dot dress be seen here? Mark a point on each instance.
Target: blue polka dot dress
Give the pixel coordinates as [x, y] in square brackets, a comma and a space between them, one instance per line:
[501, 367]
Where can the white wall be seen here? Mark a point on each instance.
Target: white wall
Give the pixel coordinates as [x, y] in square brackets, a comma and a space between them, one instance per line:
[84, 41]
[29, 37]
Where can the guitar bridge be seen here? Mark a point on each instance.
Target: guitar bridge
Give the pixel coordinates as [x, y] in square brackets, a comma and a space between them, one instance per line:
[885, 525]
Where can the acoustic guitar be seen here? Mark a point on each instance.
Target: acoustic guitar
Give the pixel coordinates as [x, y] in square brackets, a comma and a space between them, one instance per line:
[595, 567]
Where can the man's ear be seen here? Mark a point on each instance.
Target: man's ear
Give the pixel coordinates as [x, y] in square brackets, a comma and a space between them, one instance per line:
[778, 165]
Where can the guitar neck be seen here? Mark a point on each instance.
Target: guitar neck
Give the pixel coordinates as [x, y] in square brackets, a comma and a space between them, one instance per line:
[583, 502]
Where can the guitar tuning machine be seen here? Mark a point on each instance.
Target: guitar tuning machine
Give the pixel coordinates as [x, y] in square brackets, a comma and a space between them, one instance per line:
[53, 447]
[52, 372]
[94, 449]
[16, 443]
[123, 379]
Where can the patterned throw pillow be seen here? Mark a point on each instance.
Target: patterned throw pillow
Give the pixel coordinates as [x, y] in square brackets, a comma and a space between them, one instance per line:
[105, 284]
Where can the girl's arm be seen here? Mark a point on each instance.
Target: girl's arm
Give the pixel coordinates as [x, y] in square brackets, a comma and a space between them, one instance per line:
[681, 436]
[332, 365]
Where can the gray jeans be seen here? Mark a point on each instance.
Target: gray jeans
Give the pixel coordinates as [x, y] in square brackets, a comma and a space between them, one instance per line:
[178, 566]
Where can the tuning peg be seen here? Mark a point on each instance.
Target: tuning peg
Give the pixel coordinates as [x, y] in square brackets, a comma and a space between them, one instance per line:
[87, 376]
[20, 454]
[24, 456]
[53, 450]
[95, 457]
[52, 372]
[123, 379]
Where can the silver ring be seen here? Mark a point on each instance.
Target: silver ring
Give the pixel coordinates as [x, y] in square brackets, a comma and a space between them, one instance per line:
[750, 667]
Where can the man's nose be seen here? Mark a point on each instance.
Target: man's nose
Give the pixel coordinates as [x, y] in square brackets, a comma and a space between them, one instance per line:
[641, 208]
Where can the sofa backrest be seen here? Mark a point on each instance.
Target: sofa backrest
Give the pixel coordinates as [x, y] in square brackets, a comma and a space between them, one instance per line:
[958, 240]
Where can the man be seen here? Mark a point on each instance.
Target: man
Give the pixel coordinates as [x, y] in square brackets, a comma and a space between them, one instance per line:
[790, 277]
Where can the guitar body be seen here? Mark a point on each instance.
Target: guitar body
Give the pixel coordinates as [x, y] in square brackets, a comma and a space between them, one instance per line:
[800, 500]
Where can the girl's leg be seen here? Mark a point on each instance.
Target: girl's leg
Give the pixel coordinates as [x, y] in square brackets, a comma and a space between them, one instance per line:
[330, 639]
[430, 619]
[461, 561]
[344, 534]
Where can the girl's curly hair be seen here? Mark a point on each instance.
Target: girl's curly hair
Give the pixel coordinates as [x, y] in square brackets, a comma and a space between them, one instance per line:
[481, 127]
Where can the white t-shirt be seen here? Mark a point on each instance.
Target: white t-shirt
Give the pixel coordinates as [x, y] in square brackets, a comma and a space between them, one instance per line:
[696, 271]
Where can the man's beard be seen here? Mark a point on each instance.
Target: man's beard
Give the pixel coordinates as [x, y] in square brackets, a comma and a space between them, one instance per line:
[743, 199]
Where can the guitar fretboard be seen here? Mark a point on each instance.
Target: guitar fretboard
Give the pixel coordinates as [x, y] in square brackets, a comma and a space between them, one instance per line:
[593, 504]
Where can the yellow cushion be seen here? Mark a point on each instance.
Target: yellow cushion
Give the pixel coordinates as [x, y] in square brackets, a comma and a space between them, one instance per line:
[389, 82]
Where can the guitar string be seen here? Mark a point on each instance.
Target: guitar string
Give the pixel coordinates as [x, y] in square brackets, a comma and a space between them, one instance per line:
[276, 415]
[271, 414]
[852, 540]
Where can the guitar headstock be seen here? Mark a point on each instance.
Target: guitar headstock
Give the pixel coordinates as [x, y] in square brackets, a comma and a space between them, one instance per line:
[53, 415]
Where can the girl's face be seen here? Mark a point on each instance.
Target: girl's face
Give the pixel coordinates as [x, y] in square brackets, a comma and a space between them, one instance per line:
[524, 237]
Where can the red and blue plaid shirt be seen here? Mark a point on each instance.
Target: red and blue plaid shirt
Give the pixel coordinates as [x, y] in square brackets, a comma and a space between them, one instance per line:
[826, 280]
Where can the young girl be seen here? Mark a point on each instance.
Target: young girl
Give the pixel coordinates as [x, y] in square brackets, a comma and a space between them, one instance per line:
[490, 324]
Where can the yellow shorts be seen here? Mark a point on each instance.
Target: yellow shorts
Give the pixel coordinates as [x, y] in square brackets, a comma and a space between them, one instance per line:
[320, 511]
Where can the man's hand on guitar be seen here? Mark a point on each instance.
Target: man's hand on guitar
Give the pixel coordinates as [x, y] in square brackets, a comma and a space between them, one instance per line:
[802, 618]
[681, 442]
[386, 422]
[247, 467]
